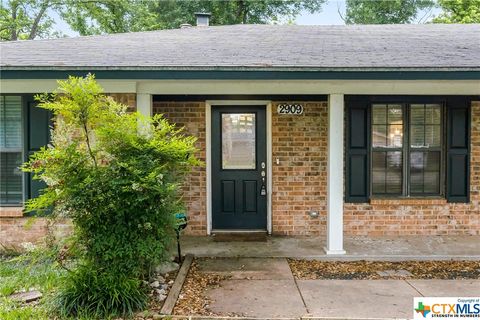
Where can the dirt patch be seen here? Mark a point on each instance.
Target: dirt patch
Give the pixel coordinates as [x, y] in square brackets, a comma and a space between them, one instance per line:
[358, 270]
[192, 299]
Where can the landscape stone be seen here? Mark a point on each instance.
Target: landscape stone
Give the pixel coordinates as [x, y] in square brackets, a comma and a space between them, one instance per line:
[166, 267]
[155, 284]
[26, 297]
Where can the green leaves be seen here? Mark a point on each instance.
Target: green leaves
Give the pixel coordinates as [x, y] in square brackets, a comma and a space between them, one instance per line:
[459, 11]
[384, 11]
[117, 176]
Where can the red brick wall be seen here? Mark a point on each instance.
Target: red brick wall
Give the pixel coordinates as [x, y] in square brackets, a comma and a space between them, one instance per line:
[300, 179]
[191, 116]
[422, 217]
[129, 99]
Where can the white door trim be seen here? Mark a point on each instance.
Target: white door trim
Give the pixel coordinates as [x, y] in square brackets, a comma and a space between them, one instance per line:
[208, 154]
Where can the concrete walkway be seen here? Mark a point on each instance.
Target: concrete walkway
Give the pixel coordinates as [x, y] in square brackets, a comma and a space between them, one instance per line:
[379, 248]
[266, 288]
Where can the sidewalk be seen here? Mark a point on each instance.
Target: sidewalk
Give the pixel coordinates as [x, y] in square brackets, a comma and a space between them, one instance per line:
[378, 248]
[266, 288]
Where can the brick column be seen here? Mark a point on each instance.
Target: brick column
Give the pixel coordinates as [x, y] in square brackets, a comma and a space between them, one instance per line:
[335, 175]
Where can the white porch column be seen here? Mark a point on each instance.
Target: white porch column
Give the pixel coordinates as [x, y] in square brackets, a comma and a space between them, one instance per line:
[144, 104]
[335, 175]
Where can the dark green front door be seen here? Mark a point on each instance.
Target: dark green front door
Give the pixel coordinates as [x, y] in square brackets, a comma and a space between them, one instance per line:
[239, 167]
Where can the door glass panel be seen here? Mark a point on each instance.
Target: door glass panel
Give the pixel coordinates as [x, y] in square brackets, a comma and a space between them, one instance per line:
[238, 141]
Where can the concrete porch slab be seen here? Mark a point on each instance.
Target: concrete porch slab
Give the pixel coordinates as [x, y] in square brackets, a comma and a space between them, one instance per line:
[248, 268]
[447, 288]
[357, 248]
[357, 299]
[257, 298]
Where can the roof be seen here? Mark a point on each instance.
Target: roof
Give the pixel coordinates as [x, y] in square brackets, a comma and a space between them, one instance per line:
[259, 47]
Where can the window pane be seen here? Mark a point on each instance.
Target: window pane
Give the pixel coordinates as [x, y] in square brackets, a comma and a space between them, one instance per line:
[417, 114]
[379, 114]
[432, 136]
[378, 172]
[11, 122]
[425, 172]
[238, 141]
[394, 172]
[432, 182]
[395, 136]
[387, 128]
[395, 115]
[433, 114]
[387, 172]
[11, 182]
[425, 128]
[417, 136]
[379, 135]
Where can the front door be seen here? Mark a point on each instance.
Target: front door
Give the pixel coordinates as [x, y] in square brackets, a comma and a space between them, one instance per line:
[239, 167]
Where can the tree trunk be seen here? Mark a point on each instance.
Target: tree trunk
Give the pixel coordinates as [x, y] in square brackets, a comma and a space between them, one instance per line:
[14, 35]
[36, 22]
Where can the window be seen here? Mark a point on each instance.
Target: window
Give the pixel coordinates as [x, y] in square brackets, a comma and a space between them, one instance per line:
[238, 141]
[11, 150]
[406, 149]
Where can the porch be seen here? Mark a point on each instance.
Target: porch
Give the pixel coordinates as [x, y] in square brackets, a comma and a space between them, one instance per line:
[357, 248]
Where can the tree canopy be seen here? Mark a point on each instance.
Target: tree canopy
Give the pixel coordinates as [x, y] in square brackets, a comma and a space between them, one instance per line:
[384, 11]
[27, 19]
[459, 11]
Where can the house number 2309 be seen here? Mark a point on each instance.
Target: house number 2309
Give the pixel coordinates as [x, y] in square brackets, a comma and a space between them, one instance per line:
[286, 108]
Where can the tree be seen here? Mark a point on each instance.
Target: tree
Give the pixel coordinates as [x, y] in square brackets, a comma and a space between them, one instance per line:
[26, 19]
[459, 11]
[110, 16]
[113, 16]
[172, 14]
[384, 11]
[117, 176]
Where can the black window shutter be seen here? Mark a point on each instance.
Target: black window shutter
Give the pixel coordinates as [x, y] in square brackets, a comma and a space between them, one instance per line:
[37, 135]
[458, 149]
[357, 165]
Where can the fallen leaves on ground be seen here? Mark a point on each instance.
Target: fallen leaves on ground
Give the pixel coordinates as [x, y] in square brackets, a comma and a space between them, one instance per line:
[192, 299]
[358, 270]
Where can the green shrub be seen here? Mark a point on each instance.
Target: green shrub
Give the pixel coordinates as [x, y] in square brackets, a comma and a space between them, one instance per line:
[117, 176]
[100, 295]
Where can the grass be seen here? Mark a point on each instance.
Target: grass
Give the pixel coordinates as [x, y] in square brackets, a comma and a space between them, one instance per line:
[36, 269]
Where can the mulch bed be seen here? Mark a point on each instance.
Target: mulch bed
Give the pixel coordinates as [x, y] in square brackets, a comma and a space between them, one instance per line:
[358, 270]
[192, 299]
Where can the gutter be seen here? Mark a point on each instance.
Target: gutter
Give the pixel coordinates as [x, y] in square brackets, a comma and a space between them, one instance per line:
[241, 73]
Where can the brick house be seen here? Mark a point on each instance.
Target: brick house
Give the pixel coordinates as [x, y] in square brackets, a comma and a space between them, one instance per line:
[305, 130]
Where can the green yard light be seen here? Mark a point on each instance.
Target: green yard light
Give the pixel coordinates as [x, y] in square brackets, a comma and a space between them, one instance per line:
[180, 224]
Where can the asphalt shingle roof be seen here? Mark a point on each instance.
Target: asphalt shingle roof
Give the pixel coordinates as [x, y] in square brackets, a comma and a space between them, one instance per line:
[431, 46]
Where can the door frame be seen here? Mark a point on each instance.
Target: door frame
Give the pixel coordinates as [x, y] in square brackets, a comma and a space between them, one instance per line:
[208, 152]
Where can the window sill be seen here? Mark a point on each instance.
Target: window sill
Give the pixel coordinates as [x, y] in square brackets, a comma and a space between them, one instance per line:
[11, 212]
[409, 201]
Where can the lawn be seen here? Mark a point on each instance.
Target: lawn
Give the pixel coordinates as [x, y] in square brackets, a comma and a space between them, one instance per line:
[37, 270]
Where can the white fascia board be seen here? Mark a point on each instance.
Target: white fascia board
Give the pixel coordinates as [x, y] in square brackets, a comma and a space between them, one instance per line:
[48, 85]
[292, 87]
